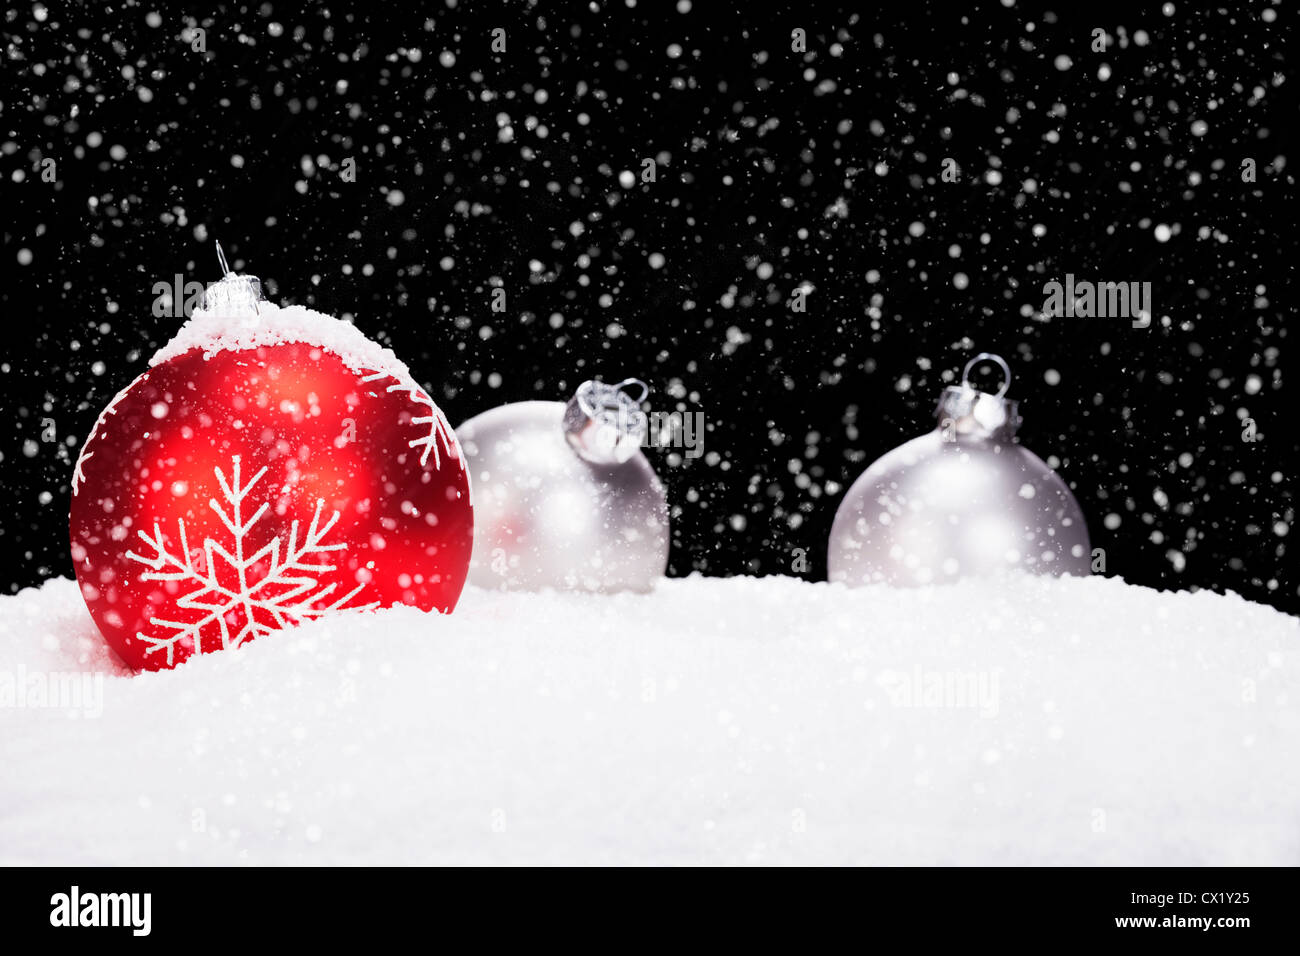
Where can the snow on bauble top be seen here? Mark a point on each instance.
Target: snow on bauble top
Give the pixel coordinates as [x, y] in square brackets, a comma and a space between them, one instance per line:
[220, 329]
[235, 317]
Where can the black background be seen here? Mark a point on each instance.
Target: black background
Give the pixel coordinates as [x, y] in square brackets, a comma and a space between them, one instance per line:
[814, 166]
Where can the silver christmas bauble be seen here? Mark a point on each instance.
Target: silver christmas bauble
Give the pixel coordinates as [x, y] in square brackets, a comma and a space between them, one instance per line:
[963, 501]
[563, 496]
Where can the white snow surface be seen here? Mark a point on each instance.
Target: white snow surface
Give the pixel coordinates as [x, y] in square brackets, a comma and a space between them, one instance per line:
[215, 331]
[747, 721]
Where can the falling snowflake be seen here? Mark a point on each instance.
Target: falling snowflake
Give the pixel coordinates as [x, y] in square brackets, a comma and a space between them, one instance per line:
[252, 597]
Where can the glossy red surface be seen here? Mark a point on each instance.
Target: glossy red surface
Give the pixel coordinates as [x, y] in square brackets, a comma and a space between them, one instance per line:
[332, 506]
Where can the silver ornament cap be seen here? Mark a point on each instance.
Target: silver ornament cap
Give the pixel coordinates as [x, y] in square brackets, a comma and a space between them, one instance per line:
[964, 411]
[603, 423]
[232, 294]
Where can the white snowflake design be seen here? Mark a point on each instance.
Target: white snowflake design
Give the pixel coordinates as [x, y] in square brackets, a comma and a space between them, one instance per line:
[437, 422]
[78, 476]
[267, 597]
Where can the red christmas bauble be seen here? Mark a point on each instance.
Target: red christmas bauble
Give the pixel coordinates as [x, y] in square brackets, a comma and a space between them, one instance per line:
[263, 473]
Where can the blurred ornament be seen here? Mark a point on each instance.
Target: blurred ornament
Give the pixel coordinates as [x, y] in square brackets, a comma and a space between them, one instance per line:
[564, 497]
[271, 466]
[963, 501]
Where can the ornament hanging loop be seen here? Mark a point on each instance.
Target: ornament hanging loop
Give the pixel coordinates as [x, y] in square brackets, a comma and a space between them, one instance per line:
[628, 382]
[221, 258]
[997, 360]
[587, 397]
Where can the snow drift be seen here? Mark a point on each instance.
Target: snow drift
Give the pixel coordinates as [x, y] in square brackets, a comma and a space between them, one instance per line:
[1080, 721]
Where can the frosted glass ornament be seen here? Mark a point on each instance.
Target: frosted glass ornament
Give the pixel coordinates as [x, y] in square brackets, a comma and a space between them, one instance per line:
[963, 501]
[564, 498]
